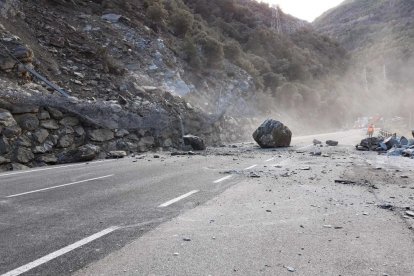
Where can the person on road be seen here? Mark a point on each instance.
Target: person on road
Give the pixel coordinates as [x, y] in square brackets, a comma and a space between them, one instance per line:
[370, 130]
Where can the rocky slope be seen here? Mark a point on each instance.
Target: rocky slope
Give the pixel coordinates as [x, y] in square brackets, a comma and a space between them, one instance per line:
[378, 33]
[141, 74]
[380, 38]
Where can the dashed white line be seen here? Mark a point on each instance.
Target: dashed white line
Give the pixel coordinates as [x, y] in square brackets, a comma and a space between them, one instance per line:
[251, 167]
[51, 168]
[271, 159]
[305, 147]
[222, 179]
[59, 186]
[172, 201]
[60, 252]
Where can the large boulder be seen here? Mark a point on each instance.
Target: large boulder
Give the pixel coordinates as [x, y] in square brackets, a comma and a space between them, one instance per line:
[195, 142]
[273, 134]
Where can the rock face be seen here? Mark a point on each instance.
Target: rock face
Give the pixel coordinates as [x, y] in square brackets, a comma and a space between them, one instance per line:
[195, 142]
[273, 134]
[32, 136]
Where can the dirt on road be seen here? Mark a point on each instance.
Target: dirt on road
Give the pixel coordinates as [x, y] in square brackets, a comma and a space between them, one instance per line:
[341, 213]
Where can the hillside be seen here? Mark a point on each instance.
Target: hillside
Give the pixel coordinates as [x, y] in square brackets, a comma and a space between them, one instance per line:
[141, 74]
[379, 34]
[184, 46]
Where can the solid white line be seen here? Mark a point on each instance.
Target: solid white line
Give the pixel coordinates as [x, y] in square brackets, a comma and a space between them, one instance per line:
[251, 167]
[172, 201]
[271, 159]
[51, 168]
[60, 252]
[59, 186]
[222, 179]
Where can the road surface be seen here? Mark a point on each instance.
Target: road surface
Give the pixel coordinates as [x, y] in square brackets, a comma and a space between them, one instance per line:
[237, 210]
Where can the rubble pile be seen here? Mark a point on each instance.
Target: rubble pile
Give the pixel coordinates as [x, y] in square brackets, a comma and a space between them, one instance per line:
[392, 146]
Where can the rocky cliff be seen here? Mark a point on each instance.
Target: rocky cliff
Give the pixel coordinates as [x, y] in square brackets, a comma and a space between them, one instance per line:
[141, 74]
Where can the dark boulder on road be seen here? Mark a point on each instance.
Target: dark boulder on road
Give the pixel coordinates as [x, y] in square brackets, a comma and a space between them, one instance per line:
[273, 134]
[332, 143]
[195, 142]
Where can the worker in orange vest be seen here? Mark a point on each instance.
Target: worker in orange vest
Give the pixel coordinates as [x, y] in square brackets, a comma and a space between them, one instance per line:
[370, 130]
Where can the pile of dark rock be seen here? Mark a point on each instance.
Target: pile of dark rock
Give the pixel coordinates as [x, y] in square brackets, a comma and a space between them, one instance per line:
[392, 146]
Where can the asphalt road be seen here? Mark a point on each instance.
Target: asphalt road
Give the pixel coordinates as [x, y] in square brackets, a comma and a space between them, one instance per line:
[47, 213]
[58, 220]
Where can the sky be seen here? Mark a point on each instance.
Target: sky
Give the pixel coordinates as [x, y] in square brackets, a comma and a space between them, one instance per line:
[305, 9]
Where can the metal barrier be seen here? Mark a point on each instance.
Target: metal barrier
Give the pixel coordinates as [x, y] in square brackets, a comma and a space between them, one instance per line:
[36, 74]
[385, 133]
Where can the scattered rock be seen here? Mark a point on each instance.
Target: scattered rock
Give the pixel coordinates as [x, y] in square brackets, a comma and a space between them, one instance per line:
[317, 142]
[409, 213]
[290, 269]
[386, 206]
[316, 151]
[343, 181]
[254, 175]
[117, 154]
[332, 143]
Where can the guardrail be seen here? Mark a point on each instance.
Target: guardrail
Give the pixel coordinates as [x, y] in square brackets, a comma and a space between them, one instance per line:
[385, 133]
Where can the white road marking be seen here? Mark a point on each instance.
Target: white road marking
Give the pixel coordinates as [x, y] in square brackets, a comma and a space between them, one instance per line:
[51, 168]
[172, 201]
[271, 159]
[59, 186]
[60, 252]
[251, 167]
[222, 179]
[305, 147]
